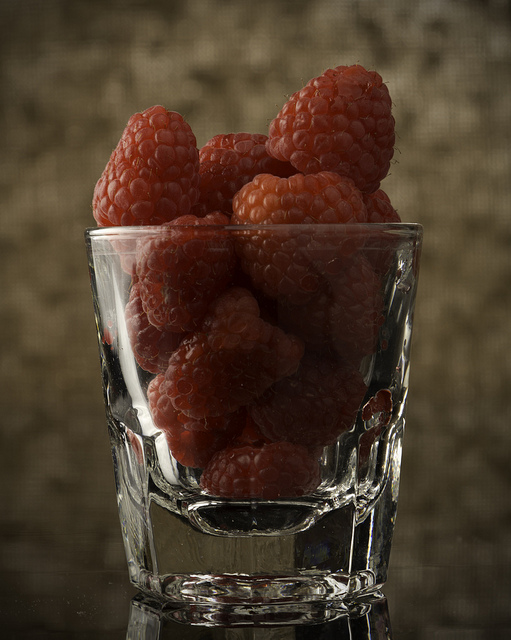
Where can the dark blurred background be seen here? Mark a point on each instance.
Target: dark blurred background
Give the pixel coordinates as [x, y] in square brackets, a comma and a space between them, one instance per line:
[72, 72]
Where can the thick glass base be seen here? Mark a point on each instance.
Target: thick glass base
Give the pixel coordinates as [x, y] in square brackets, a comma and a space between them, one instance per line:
[242, 589]
[184, 564]
[248, 553]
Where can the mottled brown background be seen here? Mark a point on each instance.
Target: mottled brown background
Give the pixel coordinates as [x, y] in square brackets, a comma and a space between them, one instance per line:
[72, 72]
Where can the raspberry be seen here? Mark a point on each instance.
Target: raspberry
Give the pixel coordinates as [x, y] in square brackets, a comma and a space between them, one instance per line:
[151, 347]
[324, 198]
[340, 121]
[192, 442]
[357, 316]
[270, 471]
[378, 409]
[313, 406]
[183, 269]
[346, 313]
[233, 358]
[379, 208]
[227, 162]
[153, 173]
[124, 249]
[287, 262]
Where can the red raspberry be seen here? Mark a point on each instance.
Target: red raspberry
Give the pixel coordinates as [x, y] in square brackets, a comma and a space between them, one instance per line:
[287, 262]
[270, 471]
[313, 406]
[323, 198]
[346, 313]
[357, 316]
[227, 162]
[192, 442]
[232, 359]
[153, 173]
[340, 121]
[379, 208]
[152, 347]
[378, 409]
[183, 269]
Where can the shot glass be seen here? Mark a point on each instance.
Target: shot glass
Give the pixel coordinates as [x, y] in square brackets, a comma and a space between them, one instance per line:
[255, 382]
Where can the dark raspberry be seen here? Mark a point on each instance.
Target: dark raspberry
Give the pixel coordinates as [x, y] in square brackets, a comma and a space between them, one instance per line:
[152, 176]
[227, 162]
[346, 313]
[313, 406]
[357, 316]
[183, 269]
[233, 358]
[340, 121]
[251, 434]
[379, 208]
[311, 321]
[270, 471]
[288, 262]
[192, 442]
[151, 347]
[378, 409]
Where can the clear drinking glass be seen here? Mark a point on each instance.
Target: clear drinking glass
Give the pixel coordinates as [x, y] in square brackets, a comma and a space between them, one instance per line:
[255, 382]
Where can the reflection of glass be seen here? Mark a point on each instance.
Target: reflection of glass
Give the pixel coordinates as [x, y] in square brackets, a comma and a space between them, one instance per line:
[149, 620]
[256, 410]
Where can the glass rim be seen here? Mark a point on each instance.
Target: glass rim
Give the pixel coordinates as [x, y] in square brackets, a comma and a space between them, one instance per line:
[405, 229]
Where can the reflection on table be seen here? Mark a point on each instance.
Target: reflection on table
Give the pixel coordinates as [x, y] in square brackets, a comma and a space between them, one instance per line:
[149, 620]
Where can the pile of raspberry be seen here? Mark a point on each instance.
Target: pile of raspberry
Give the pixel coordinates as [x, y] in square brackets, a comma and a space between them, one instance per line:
[255, 351]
